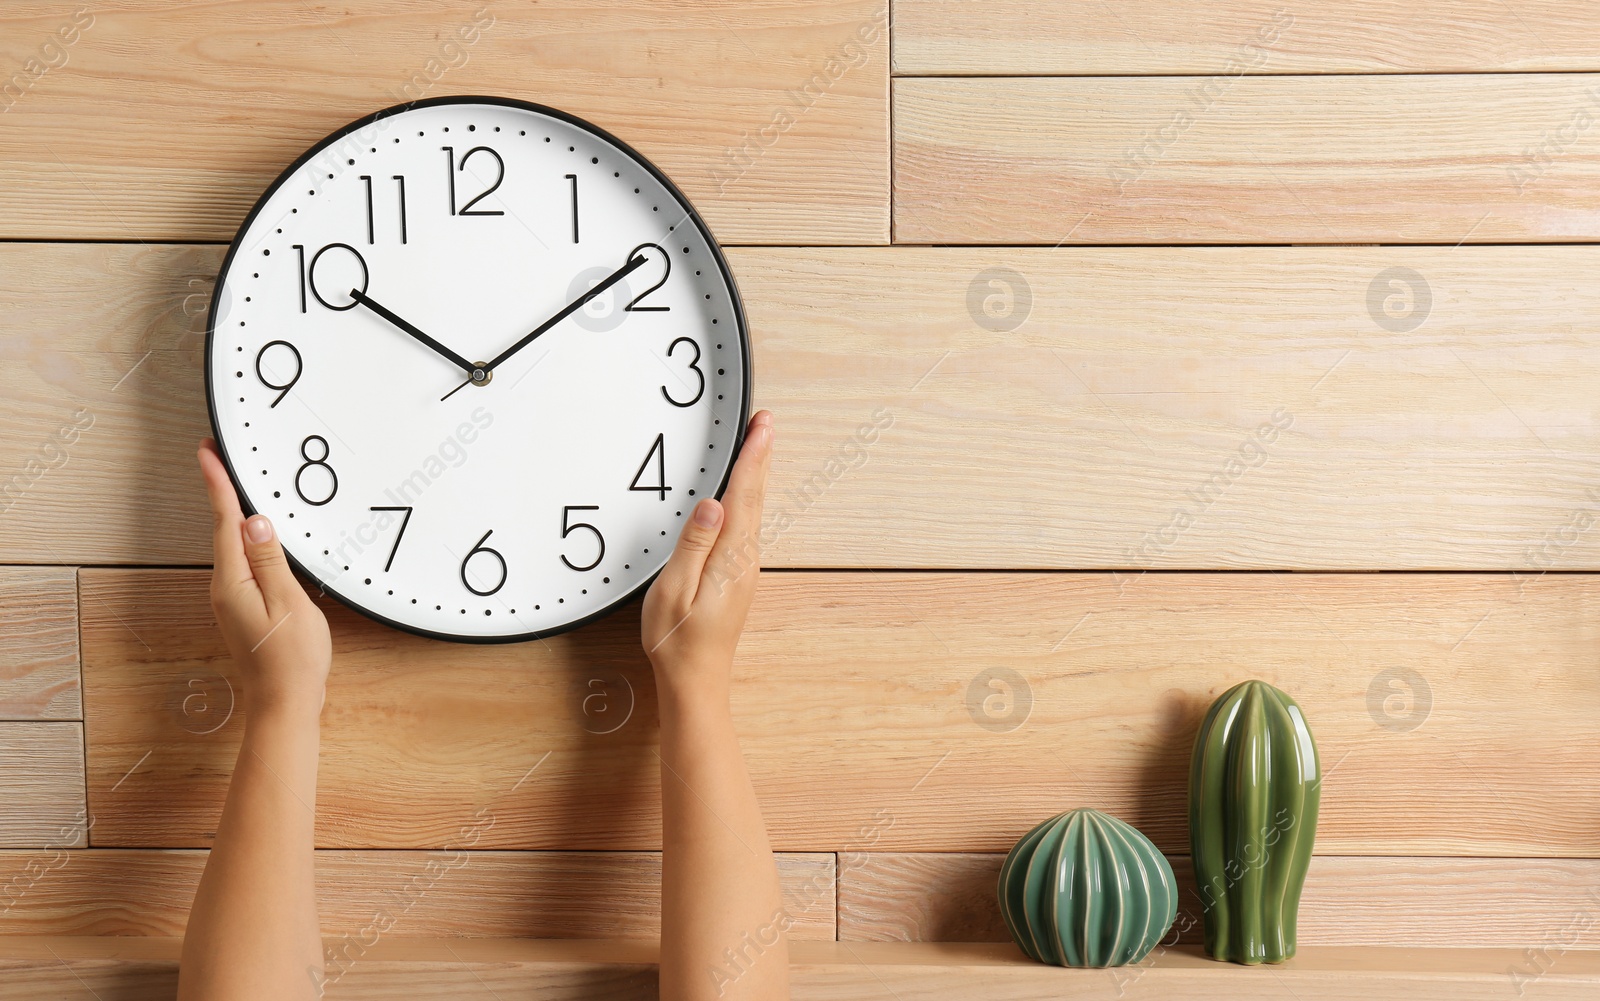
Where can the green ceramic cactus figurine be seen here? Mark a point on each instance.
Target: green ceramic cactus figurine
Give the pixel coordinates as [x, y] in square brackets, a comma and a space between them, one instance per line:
[1254, 786]
[1085, 889]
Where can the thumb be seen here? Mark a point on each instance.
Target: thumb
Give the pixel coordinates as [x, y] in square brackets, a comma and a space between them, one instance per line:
[682, 572]
[269, 566]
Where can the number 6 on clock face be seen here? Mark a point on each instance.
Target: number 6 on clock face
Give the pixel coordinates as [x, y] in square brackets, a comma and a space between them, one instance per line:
[478, 360]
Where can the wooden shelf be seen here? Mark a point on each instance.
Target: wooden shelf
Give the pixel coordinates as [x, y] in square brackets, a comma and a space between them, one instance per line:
[135, 969]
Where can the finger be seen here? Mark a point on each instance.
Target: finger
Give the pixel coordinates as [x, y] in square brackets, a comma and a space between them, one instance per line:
[227, 544]
[681, 576]
[747, 488]
[270, 567]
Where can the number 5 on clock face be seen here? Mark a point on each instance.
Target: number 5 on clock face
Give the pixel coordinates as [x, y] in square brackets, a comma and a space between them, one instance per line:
[478, 360]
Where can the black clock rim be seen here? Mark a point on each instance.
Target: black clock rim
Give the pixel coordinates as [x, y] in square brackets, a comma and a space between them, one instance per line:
[556, 113]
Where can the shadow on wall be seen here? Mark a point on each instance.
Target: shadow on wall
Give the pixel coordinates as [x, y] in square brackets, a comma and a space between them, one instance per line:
[1163, 788]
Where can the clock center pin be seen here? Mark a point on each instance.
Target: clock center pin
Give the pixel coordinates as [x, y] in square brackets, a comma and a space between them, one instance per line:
[481, 374]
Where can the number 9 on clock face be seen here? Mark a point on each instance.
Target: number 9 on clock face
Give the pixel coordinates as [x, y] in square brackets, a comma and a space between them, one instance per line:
[477, 360]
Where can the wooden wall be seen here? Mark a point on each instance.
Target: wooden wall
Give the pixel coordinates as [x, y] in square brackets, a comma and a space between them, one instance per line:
[1205, 341]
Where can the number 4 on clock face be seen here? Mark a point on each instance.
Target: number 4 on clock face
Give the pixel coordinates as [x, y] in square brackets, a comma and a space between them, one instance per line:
[658, 453]
[478, 360]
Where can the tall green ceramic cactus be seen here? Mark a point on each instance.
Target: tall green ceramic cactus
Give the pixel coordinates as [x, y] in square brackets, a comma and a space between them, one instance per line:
[1085, 889]
[1254, 786]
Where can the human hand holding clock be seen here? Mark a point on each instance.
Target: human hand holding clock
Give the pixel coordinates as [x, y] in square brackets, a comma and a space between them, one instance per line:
[256, 599]
[695, 611]
[477, 361]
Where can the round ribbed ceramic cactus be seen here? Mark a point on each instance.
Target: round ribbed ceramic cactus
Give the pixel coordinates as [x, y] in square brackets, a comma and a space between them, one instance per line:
[1254, 785]
[1085, 889]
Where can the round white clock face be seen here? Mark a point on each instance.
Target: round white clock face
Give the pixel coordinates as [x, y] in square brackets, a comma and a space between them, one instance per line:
[477, 360]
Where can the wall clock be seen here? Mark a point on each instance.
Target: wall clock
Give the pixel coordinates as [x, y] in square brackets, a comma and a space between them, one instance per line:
[477, 360]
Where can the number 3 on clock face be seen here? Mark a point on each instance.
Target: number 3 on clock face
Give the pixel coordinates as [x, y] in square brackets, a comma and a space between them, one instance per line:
[477, 360]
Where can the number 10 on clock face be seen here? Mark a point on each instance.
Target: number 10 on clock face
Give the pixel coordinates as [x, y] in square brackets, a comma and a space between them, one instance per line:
[477, 360]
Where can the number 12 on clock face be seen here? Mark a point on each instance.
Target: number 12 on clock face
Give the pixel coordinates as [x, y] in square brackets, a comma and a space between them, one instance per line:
[478, 360]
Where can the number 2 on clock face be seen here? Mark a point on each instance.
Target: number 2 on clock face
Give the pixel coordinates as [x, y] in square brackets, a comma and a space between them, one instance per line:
[477, 360]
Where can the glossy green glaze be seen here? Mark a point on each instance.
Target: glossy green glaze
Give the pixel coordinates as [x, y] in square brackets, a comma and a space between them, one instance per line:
[1254, 785]
[1085, 889]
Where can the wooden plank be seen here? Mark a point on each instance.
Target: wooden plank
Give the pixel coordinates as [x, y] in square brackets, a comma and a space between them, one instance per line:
[156, 121]
[923, 897]
[1349, 900]
[435, 894]
[1024, 37]
[875, 714]
[42, 786]
[1119, 424]
[145, 969]
[39, 644]
[1480, 158]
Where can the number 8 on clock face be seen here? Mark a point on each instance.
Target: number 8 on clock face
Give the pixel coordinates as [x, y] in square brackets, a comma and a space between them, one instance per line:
[477, 360]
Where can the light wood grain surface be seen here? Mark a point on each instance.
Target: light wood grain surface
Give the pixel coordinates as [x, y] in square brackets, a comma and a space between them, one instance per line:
[457, 893]
[1147, 408]
[1449, 903]
[1016, 476]
[39, 644]
[1019, 37]
[165, 121]
[877, 712]
[42, 785]
[1247, 159]
[144, 969]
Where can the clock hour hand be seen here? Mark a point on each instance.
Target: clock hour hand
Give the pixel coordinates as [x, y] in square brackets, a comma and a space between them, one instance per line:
[568, 310]
[414, 331]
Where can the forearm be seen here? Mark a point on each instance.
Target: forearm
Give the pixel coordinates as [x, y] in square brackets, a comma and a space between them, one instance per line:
[253, 927]
[722, 922]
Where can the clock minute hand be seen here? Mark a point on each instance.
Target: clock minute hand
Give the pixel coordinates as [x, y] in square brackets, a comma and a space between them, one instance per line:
[397, 320]
[568, 310]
